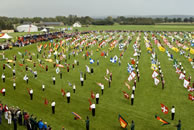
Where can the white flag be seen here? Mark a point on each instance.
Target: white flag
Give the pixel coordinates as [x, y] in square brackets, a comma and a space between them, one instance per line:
[156, 81]
[182, 76]
[186, 83]
[154, 74]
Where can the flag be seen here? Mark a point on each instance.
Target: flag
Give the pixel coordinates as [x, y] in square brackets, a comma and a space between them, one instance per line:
[102, 53]
[62, 92]
[28, 90]
[125, 95]
[178, 71]
[126, 84]
[122, 121]
[92, 95]
[76, 116]
[131, 76]
[130, 68]
[182, 76]
[154, 74]
[91, 61]
[21, 64]
[164, 109]
[162, 120]
[45, 101]
[186, 83]
[133, 61]
[156, 81]
[190, 97]
[59, 65]
[90, 104]
[107, 71]
[106, 78]
[154, 67]
[2, 90]
[190, 89]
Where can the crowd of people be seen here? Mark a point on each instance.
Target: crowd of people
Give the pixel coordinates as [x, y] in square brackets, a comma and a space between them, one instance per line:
[16, 116]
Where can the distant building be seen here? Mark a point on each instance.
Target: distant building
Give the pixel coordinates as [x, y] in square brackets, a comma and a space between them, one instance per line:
[77, 25]
[51, 24]
[27, 28]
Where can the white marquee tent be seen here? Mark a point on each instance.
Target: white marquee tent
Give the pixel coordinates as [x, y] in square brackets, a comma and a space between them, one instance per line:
[27, 28]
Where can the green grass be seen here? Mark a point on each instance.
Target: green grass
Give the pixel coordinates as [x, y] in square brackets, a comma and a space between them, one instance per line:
[147, 96]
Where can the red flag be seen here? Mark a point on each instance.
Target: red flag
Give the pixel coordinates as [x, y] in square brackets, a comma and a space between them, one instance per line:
[164, 109]
[191, 97]
[102, 53]
[133, 62]
[90, 104]
[20, 64]
[45, 101]
[1, 90]
[126, 95]
[62, 92]
[92, 95]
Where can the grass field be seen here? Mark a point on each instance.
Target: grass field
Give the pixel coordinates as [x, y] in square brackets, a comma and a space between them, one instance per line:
[147, 96]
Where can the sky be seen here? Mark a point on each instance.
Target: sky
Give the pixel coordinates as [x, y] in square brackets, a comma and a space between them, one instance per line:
[94, 8]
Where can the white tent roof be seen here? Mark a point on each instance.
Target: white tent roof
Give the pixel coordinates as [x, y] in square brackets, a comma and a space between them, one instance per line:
[44, 30]
[6, 36]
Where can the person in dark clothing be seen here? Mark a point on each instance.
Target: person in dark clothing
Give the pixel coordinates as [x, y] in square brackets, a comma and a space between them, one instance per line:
[87, 123]
[132, 125]
[0, 115]
[179, 125]
[15, 122]
[20, 119]
[61, 75]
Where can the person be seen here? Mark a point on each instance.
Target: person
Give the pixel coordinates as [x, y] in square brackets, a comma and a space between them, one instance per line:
[73, 66]
[26, 67]
[102, 89]
[53, 80]
[61, 75]
[0, 115]
[31, 94]
[97, 98]
[87, 123]
[43, 87]
[3, 66]
[34, 64]
[97, 62]
[20, 118]
[40, 124]
[135, 83]
[82, 81]
[46, 67]
[9, 117]
[92, 70]
[179, 125]
[35, 74]
[14, 85]
[133, 90]
[132, 99]
[109, 82]
[93, 106]
[74, 88]
[138, 77]
[85, 76]
[68, 96]
[172, 113]
[67, 68]
[132, 125]
[111, 76]
[3, 91]
[15, 122]
[13, 72]
[45, 126]
[3, 77]
[53, 106]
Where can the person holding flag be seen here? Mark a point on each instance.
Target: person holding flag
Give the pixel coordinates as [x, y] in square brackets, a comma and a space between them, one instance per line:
[53, 80]
[93, 106]
[31, 94]
[14, 85]
[68, 96]
[97, 98]
[3, 91]
[3, 77]
[74, 88]
[132, 99]
[53, 107]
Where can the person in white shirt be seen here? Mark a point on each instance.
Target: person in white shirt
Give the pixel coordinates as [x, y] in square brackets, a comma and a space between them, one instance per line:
[31, 94]
[133, 90]
[3, 91]
[172, 113]
[102, 89]
[27, 79]
[35, 74]
[93, 106]
[54, 80]
[74, 88]
[132, 99]
[97, 98]
[82, 81]
[43, 87]
[53, 107]
[13, 72]
[68, 96]
[3, 77]
[14, 85]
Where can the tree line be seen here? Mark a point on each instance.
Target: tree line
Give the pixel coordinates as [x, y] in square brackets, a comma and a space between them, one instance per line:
[8, 22]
